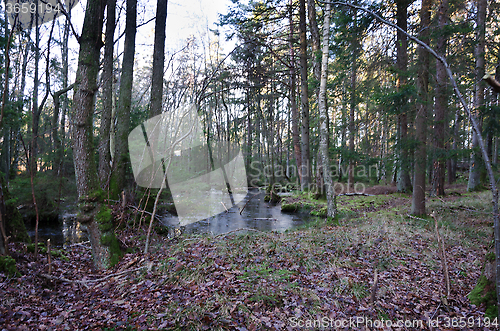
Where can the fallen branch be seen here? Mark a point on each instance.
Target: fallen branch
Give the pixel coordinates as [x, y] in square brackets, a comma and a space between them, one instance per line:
[93, 281]
[248, 202]
[352, 194]
[417, 218]
[62, 279]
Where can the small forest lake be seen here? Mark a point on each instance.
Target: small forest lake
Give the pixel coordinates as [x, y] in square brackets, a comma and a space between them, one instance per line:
[257, 214]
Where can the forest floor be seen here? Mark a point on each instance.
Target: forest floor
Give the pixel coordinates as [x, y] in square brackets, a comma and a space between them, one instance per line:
[319, 277]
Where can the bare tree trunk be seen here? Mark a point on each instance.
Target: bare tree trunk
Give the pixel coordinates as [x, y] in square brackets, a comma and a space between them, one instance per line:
[403, 177]
[316, 69]
[35, 110]
[158, 59]
[121, 159]
[476, 163]
[330, 193]
[107, 96]
[440, 107]
[89, 194]
[305, 167]
[353, 100]
[293, 98]
[418, 199]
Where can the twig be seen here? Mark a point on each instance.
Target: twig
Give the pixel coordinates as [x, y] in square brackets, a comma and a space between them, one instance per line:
[416, 218]
[80, 244]
[62, 279]
[94, 281]
[373, 296]
[443, 257]
[248, 202]
[49, 257]
[144, 211]
[224, 206]
[116, 274]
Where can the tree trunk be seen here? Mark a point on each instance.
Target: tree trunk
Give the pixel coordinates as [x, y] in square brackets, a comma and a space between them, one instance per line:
[440, 106]
[476, 163]
[35, 110]
[403, 178]
[330, 193]
[107, 96]
[121, 159]
[158, 59]
[93, 214]
[293, 99]
[418, 199]
[305, 168]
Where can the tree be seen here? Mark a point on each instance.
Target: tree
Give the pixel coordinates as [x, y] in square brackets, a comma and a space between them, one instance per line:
[94, 215]
[305, 168]
[158, 59]
[440, 105]
[293, 96]
[475, 162]
[403, 177]
[418, 198]
[107, 96]
[330, 193]
[121, 158]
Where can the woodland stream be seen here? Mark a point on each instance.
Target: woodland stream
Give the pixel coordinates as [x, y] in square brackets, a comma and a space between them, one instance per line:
[257, 214]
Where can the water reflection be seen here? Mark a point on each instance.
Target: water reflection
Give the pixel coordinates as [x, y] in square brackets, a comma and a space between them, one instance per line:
[67, 231]
[257, 214]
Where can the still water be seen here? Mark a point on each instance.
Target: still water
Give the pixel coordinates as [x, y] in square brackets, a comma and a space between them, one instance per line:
[257, 214]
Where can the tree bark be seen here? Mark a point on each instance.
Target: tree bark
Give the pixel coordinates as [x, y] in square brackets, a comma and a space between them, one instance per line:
[121, 160]
[476, 163]
[158, 59]
[83, 149]
[305, 168]
[440, 106]
[107, 96]
[418, 198]
[330, 193]
[403, 178]
[293, 98]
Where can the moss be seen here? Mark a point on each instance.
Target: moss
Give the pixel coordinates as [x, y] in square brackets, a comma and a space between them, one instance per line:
[41, 247]
[289, 207]
[97, 195]
[322, 212]
[8, 265]
[104, 219]
[115, 253]
[484, 293]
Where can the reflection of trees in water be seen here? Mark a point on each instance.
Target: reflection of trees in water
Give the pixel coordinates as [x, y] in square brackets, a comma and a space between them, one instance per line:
[72, 230]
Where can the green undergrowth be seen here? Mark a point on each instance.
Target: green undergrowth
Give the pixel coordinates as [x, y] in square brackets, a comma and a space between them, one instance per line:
[8, 266]
[43, 250]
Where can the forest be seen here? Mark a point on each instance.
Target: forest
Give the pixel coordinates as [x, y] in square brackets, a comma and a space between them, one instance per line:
[294, 164]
